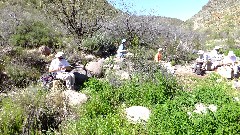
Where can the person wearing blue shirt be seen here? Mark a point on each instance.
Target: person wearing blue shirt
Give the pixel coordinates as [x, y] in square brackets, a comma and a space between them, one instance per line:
[122, 49]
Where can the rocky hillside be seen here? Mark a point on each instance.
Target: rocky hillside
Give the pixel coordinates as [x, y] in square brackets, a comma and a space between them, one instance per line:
[221, 16]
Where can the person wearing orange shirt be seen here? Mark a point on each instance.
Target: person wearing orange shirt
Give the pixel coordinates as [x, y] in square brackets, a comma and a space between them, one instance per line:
[158, 56]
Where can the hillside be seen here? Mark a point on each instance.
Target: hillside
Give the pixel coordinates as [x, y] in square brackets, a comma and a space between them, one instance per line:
[219, 16]
[33, 101]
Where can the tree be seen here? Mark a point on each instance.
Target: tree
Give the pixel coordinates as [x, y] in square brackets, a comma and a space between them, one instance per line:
[81, 17]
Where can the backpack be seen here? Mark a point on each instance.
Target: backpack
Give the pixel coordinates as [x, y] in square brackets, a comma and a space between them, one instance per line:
[47, 78]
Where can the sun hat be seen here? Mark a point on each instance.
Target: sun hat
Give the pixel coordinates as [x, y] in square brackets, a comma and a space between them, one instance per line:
[231, 53]
[217, 47]
[124, 40]
[159, 49]
[60, 54]
[200, 52]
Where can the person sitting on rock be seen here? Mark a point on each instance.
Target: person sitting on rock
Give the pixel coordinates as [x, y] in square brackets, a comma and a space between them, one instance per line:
[216, 57]
[231, 61]
[200, 63]
[158, 56]
[59, 66]
[121, 52]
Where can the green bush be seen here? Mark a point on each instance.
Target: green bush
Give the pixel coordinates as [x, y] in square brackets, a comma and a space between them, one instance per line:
[103, 113]
[11, 117]
[32, 34]
[99, 45]
[31, 111]
[20, 75]
[172, 117]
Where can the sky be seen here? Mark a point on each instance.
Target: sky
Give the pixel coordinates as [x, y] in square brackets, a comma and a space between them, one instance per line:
[181, 9]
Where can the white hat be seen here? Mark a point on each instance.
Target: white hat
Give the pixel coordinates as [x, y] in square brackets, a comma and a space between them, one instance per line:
[200, 52]
[217, 47]
[123, 40]
[231, 53]
[60, 54]
[159, 49]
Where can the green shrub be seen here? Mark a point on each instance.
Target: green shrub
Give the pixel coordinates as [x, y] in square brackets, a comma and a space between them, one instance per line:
[31, 111]
[234, 49]
[172, 117]
[103, 113]
[20, 75]
[32, 34]
[11, 117]
[99, 45]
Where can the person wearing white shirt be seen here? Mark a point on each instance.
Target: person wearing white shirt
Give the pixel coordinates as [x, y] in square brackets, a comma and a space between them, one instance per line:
[216, 57]
[121, 52]
[59, 65]
[230, 63]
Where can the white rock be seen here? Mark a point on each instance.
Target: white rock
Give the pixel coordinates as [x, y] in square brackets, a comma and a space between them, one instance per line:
[189, 114]
[96, 68]
[236, 99]
[200, 108]
[75, 98]
[90, 57]
[122, 74]
[138, 113]
[212, 107]
[219, 80]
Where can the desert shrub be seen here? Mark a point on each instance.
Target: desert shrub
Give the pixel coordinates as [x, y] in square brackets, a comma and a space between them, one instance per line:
[234, 49]
[20, 75]
[31, 60]
[11, 117]
[100, 45]
[23, 3]
[43, 113]
[32, 34]
[31, 111]
[21, 68]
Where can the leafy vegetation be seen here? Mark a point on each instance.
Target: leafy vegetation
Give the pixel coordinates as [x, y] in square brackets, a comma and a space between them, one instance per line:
[31, 111]
[104, 112]
[34, 34]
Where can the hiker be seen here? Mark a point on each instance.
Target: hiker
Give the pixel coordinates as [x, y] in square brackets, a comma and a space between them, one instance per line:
[236, 68]
[121, 52]
[59, 66]
[158, 56]
[216, 57]
[215, 52]
[200, 65]
[230, 66]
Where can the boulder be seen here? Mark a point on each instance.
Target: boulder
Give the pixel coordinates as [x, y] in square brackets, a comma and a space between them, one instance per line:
[201, 108]
[44, 50]
[74, 98]
[137, 113]
[95, 68]
[123, 75]
[90, 57]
